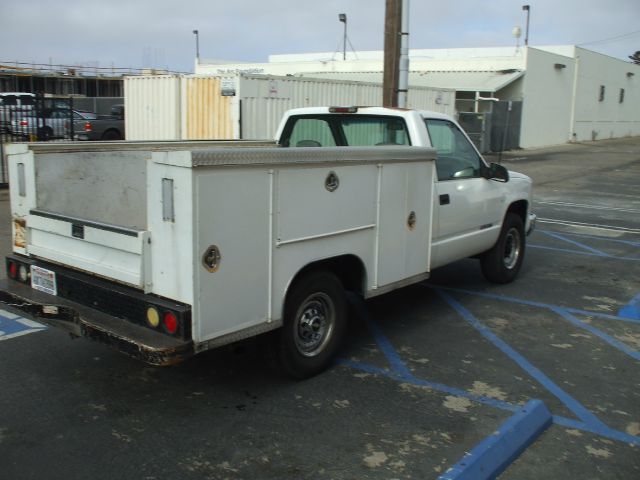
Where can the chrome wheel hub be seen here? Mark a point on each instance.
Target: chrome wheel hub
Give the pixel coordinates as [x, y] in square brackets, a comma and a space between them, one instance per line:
[512, 248]
[314, 324]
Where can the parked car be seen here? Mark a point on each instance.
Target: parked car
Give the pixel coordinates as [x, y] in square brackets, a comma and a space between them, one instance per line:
[14, 104]
[54, 123]
[103, 127]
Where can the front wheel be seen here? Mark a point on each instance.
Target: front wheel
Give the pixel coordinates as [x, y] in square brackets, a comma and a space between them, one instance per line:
[315, 320]
[502, 263]
[45, 134]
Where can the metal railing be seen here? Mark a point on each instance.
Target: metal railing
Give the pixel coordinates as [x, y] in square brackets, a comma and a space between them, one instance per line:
[33, 119]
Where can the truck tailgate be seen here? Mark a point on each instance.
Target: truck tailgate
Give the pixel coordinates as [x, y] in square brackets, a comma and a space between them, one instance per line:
[106, 250]
[84, 211]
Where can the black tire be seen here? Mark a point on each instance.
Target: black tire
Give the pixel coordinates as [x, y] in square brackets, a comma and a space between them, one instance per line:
[502, 263]
[315, 321]
[45, 134]
[111, 135]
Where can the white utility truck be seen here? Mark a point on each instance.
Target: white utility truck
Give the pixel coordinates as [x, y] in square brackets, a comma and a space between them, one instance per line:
[167, 249]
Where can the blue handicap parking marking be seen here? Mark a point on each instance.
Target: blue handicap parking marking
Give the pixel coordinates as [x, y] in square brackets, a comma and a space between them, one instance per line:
[585, 419]
[12, 325]
[632, 309]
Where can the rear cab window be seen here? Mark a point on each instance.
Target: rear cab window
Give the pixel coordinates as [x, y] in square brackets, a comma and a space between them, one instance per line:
[368, 131]
[311, 132]
[345, 130]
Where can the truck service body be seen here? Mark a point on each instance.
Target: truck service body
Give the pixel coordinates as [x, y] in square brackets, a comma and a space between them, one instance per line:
[167, 249]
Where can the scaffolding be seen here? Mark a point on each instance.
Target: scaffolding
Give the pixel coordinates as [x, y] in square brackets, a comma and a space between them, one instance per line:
[55, 79]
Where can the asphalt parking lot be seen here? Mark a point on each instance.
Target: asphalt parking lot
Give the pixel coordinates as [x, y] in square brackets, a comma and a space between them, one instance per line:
[428, 372]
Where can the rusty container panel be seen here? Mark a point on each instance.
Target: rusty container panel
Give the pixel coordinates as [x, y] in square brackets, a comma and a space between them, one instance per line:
[152, 107]
[207, 113]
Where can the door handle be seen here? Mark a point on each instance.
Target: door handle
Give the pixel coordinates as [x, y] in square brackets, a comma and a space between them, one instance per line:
[444, 199]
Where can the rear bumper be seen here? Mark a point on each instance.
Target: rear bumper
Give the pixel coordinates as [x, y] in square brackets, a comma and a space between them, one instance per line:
[82, 321]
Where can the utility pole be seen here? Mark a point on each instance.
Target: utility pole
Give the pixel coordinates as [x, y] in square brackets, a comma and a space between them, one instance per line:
[392, 31]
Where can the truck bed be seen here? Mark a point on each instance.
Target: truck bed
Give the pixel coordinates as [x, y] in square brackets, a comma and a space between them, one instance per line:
[220, 228]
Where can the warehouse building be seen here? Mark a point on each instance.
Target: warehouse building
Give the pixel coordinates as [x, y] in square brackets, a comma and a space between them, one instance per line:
[506, 97]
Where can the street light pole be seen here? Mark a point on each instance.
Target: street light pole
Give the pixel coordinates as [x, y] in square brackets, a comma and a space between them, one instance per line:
[195, 32]
[526, 8]
[343, 18]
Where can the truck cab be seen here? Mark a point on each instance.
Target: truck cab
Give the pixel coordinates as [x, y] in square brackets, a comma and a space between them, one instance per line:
[472, 198]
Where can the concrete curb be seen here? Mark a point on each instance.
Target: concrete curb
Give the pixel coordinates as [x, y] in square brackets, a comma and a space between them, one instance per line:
[496, 452]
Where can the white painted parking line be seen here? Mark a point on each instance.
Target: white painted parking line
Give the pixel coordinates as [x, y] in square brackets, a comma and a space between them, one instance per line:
[9, 315]
[29, 323]
[19, 334]
[587, 206]
[595, 226]
[12, 326]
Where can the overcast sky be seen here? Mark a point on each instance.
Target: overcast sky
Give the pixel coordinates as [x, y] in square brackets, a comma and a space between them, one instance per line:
[158, 33]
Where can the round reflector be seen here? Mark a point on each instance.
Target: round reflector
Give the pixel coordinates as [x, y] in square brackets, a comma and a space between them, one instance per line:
[24, 273]
[153, 317]
[170, 323]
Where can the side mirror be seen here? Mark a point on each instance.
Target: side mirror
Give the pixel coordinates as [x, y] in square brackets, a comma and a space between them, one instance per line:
[497, 172]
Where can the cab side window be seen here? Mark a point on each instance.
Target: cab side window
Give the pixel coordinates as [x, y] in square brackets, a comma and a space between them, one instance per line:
[456, 158]
[311, 132]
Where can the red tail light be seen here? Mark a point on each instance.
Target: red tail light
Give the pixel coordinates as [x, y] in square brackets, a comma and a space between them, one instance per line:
[13, 270]
[170, 322]
[87, 127]
[24, 123]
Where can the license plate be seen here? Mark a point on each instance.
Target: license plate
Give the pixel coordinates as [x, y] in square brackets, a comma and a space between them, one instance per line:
[43, 280]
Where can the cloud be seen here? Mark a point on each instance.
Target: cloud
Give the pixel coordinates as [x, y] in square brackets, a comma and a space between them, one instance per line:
[158, 33]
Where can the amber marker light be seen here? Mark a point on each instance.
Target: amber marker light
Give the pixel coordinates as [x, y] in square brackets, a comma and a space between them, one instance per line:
[153, 317]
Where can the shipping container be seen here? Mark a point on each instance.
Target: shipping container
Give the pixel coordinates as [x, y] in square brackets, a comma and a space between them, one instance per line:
[245, 106]
[153, 107]
[206, 113]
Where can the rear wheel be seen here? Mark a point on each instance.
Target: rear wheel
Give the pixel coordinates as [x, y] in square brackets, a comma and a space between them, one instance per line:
[502, 263]
[315, 320]
[111, 135]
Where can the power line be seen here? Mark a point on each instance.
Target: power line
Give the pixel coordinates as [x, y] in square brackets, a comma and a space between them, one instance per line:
[617, 38]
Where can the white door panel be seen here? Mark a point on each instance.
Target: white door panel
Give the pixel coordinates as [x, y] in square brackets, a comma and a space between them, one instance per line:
[470, 222]
[468, 208]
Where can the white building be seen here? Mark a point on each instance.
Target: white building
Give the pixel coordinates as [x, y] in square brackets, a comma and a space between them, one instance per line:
[558, 94]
